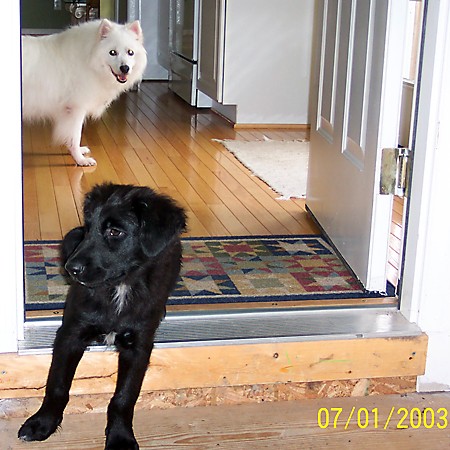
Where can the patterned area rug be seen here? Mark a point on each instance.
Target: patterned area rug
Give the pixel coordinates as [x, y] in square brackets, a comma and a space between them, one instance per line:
[221, 270]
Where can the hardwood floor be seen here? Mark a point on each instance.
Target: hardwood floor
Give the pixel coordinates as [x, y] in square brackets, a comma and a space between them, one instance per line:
[396, 241]
[422, 423]
[152, 138]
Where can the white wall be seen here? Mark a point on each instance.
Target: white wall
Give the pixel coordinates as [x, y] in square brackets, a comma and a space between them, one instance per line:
[267, 64]
[11, 278]
[434, 309]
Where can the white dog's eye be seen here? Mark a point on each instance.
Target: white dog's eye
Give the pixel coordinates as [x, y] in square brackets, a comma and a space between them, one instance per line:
[113, 53]
[130, 53]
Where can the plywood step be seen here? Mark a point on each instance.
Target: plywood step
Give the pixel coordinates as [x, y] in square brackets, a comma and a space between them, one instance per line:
[201, 351]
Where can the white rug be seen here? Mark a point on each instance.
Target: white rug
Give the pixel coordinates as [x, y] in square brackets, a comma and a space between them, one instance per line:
[283, 165]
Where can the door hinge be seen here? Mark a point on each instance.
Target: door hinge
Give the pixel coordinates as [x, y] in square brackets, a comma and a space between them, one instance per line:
[395, 170]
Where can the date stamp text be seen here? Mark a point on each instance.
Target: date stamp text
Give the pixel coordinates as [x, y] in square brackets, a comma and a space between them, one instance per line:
[399, 418]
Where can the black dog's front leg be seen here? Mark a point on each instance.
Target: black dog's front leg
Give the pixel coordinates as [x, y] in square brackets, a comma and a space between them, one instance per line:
[67, 352]
[133, 363]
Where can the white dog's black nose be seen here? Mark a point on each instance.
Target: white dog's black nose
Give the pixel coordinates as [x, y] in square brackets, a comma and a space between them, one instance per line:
[124, 68]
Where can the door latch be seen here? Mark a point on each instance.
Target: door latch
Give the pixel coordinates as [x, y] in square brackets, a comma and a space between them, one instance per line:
[395, 170]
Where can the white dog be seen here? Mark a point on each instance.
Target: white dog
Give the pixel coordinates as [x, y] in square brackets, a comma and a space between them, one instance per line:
[77, 73]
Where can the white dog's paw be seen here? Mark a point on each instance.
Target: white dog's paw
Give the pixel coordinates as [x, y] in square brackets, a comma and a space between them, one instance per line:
[80, 159]
[86, 161]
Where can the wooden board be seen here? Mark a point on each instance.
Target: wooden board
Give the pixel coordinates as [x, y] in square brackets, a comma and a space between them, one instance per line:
[283, 425]
[230, 365]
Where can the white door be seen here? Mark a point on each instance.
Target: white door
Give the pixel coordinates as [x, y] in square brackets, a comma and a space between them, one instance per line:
[355, 114]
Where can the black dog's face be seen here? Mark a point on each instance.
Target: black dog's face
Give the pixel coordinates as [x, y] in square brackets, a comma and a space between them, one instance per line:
[124, 227]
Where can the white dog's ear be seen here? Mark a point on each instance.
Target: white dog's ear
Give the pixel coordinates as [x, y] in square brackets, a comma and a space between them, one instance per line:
[104, 28]
[135, 27]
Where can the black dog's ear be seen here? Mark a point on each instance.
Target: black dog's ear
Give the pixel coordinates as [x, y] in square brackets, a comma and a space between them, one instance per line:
[161, 221]
[70, 242]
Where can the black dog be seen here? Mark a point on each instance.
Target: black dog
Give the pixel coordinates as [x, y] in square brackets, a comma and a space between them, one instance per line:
[124, 261]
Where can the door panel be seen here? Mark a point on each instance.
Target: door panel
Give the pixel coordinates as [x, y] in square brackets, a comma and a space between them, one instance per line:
[357, 83]
[328, 63]
[355, 114]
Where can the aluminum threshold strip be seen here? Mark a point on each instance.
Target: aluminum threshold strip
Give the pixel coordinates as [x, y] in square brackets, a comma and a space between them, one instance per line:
[235, 327]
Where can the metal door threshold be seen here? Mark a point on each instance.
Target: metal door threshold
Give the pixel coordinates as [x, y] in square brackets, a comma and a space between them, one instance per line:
[252, 327]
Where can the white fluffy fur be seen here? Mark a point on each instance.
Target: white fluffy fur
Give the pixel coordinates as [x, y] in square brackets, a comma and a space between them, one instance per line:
[120, 296]
[75, 74]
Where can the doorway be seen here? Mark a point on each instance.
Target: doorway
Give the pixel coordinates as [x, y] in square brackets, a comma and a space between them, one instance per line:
[11, 320]
[147, 146]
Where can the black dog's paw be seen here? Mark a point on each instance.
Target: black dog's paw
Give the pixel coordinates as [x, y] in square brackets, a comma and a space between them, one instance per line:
[120, 442]
[39, 427]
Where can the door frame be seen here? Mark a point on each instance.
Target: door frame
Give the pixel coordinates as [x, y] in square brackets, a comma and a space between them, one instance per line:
[420, 294]
[426, 239]
[11, 273]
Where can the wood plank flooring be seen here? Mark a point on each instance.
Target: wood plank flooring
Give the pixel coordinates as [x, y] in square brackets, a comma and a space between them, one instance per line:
[396, 241]
[421, 424]
[152, 138]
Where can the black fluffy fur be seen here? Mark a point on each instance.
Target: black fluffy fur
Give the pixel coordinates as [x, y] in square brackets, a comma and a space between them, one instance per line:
[124, 262]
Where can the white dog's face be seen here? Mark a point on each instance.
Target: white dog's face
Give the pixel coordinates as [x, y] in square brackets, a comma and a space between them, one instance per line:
[121, 50]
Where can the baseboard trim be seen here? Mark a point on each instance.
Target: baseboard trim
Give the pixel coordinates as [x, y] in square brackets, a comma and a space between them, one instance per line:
[295, 126]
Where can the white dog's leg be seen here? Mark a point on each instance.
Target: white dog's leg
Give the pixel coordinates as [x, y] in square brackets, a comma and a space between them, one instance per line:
[68, 127]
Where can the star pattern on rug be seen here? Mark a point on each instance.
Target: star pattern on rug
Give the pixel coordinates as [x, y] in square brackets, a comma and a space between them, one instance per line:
[44, 281]
[220, 270]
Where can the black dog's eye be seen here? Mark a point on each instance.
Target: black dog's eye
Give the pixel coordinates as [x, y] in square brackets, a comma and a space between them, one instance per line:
[130, 53]
[113, 53]
[114, 232]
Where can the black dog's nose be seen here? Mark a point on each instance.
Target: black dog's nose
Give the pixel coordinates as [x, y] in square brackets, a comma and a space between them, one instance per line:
[124, 69]
[75, 268]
